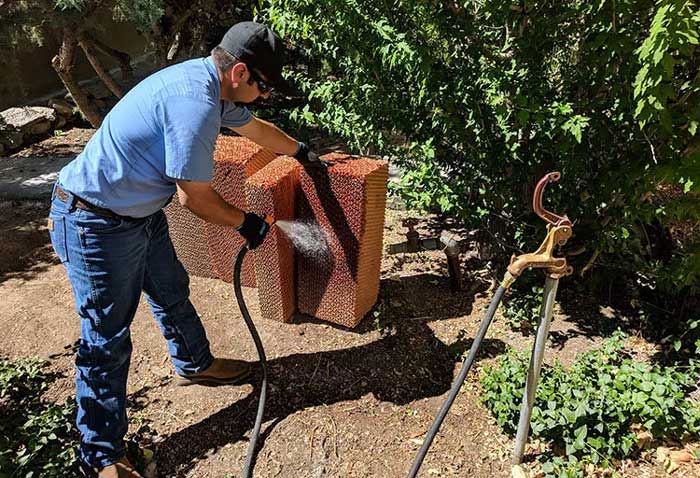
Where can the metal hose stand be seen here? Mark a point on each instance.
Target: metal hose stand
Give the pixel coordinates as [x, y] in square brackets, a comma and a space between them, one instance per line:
[533, 374]
[466, 365]
[255, 434]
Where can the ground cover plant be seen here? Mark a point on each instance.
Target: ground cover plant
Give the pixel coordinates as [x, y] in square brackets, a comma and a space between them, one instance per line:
[595, 410]
[37, 438]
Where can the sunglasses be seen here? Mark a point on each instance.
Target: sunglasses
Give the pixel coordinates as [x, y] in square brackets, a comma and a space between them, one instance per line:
[263, 86]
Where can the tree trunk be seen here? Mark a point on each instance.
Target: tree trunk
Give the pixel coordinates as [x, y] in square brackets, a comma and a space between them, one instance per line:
[89, 49]
[63, 64]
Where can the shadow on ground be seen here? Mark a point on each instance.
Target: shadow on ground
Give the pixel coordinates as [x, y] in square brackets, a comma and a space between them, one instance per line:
[407, 363]
[423, 297]
[25, 249]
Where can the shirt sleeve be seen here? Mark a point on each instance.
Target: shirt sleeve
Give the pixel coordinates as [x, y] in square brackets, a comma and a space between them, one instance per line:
[233, 116]
[190, 127]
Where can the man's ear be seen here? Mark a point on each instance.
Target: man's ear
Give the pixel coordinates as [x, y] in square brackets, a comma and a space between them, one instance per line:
[237, 74]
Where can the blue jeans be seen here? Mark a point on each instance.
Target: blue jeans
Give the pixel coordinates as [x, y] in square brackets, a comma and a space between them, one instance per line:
[109, 262]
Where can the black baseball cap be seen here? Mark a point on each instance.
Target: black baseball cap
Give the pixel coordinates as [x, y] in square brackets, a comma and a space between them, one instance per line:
[258, 47]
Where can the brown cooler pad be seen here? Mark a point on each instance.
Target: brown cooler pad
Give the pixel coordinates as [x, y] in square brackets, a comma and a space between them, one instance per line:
[348, 202]
[187, 234]
[235, 160]
[273, 190]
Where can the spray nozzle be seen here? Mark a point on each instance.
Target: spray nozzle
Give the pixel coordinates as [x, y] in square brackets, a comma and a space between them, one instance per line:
[269, 220]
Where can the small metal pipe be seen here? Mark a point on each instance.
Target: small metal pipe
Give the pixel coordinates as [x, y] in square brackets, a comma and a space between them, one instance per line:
[413, 240]
[533, 374]
[454, 266]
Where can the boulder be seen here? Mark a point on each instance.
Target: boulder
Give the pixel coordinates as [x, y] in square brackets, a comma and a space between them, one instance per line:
[38, 128]
[27, 118]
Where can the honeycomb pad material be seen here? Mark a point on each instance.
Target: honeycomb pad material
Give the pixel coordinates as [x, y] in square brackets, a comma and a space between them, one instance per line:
[235, 160]
[208, 250]
[273, 190]
[187, 234]
[347, 200]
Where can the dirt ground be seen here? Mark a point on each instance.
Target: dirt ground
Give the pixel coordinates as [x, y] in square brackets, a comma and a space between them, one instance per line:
[342, 403]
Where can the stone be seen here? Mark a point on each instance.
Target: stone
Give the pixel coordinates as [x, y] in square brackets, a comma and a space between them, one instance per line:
[25, 117]
[35, 129]
[62, 107]
[11, 139]
[60, 122]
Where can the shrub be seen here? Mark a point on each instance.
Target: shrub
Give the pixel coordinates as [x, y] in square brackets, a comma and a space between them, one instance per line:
[476, 100]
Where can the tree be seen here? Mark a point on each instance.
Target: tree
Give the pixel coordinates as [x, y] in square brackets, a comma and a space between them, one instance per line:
[174, 28]
[72, 24]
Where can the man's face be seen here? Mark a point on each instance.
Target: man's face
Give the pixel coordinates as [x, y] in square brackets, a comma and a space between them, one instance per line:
[247, 85]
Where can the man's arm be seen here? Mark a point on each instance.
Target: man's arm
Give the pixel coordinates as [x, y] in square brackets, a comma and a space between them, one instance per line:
[207, 204]
[268, 136]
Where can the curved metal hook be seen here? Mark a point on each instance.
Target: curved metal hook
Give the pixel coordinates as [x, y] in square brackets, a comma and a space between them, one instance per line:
[537, 201]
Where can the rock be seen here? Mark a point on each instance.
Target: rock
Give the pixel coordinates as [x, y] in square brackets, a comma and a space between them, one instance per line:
[20, 119]
[60, 122]
[62, 107]
[41, 127]
[11, 139]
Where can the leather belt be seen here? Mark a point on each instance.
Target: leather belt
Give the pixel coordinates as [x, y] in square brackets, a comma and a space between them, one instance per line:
[81, 204]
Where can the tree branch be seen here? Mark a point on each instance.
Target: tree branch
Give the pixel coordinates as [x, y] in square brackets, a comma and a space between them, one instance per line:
[63, 63]
[121, 57]
[89, 49]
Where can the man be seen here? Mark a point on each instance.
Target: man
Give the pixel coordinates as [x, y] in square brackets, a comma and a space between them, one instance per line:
[108, 228]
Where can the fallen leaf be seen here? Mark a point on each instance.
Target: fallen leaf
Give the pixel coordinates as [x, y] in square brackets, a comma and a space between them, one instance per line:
[147, 454]
[681, 456]
[662, 453]
[671, 466]
[518, 472]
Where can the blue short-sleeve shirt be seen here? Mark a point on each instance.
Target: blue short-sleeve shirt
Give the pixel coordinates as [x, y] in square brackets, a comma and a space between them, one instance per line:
[161, 131]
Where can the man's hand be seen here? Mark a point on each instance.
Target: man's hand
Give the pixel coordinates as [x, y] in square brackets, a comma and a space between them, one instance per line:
[308, 158]
[254, 229]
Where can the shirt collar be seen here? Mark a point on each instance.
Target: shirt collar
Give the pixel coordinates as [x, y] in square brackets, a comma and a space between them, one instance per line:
[209, 63]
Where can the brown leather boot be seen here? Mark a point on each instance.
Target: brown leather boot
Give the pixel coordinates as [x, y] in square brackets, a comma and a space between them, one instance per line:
[120, 469]
[220, 372]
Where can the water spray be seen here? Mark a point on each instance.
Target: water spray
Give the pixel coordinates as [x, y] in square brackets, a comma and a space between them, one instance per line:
[309, 239]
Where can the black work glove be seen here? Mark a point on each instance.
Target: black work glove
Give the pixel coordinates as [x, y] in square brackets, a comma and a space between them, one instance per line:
[253, 229]
[308, 158]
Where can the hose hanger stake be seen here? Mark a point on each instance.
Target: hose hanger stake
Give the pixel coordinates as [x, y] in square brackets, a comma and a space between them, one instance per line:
[559, 230]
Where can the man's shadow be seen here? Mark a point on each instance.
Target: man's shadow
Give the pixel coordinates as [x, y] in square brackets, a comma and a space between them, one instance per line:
[408, 363]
